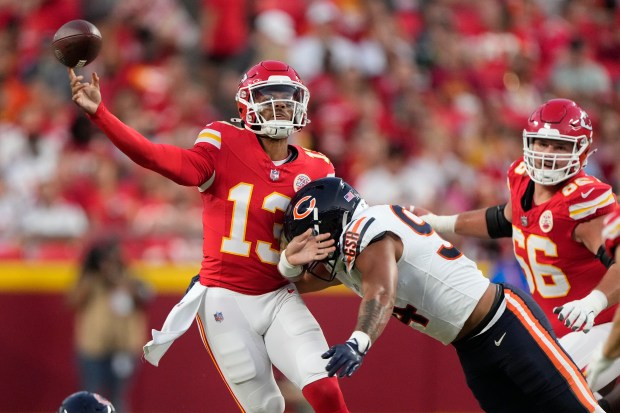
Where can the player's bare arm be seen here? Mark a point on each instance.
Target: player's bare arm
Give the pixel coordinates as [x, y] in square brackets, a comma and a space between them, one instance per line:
[377, 263]
[589, 234]
[486, 223]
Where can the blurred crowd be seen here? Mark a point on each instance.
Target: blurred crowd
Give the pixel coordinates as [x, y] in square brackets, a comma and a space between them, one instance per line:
[415, 101]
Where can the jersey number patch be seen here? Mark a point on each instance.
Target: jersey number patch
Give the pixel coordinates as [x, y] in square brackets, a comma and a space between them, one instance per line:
[549, 280]
[236, 243]
[408, 315]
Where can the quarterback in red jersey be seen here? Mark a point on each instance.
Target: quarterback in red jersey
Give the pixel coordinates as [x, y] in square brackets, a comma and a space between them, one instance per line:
[555, 216]
[249, 316]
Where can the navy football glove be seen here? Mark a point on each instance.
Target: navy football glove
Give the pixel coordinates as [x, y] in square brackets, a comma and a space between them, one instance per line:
[345, 359]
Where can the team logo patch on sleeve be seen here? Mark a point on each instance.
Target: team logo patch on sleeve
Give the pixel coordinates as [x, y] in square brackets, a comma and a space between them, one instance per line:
[546, 221]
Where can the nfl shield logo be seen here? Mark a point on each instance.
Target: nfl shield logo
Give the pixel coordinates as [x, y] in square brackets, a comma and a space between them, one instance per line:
[219, 317]
[274, 175]
[524, 221]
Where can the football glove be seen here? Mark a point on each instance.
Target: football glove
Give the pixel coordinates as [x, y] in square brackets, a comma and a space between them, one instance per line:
[345, 359]
[580, 314]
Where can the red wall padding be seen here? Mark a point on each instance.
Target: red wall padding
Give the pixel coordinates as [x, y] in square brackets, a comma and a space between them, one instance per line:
[404, 372]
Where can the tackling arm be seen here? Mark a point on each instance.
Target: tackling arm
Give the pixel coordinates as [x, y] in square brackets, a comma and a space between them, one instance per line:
[377, 264]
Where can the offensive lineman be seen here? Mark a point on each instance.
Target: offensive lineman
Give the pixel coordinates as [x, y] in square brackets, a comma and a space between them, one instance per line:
[555, 216]
[400, 266]
[248, 315]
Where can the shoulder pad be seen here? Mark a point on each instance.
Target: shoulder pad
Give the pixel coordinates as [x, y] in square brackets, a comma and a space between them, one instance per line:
[588, 198]
[213, 132]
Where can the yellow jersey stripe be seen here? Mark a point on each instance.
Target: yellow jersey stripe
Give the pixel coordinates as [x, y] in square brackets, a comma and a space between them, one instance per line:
[210, 136]
[584, 209]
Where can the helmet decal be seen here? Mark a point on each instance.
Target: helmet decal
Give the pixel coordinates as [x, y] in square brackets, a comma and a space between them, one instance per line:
[301, 215]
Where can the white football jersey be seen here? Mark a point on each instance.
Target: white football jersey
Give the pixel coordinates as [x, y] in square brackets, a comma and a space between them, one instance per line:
[438, 287]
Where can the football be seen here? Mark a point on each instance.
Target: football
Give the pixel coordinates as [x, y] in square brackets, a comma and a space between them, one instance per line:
[76, 43]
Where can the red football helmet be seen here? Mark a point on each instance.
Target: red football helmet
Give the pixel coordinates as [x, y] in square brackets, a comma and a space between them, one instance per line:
[272, 100]
[559, 120]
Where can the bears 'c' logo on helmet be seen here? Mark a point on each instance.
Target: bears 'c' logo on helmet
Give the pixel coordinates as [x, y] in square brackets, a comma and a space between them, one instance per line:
[301, 215]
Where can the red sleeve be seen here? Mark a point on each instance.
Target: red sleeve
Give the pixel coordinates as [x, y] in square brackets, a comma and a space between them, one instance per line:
[189, 167]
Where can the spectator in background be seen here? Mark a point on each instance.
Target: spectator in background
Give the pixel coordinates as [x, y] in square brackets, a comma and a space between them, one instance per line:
[53, 222]
[11, 207]
[110, 321]
[322, 48]
[577, 76]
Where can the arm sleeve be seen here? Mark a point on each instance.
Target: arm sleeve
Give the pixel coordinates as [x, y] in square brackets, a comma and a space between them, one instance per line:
[189, 167]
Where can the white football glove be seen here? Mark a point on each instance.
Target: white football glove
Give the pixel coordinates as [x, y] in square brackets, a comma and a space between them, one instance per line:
[580, 314]
[597, 365]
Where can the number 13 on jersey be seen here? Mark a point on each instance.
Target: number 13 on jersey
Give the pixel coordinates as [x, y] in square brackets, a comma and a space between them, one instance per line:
[236, 243]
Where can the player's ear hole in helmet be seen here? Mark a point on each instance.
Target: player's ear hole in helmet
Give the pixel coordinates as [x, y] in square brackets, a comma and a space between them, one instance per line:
[272, 100]
[326, 205]
[86, 402]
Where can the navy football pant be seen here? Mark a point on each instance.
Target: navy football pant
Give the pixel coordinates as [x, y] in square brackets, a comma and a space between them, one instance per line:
[518, 366]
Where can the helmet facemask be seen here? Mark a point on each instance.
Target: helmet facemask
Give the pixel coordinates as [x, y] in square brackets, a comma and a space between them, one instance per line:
[331, 262]
[552, 168]
[276, 107]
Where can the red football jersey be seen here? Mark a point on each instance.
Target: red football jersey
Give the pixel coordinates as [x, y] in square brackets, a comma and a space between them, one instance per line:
[244, 204]
[611, 232]
[243, 192]
[558, 269]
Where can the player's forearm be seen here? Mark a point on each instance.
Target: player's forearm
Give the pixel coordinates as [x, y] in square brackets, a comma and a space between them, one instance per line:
[374, 314]
[610, 285]
[167, 160]
[472, 224]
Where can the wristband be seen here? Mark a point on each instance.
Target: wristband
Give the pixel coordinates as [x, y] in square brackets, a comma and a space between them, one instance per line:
[441, 223]
[362, 340]
[288, 270]
[597, 301]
